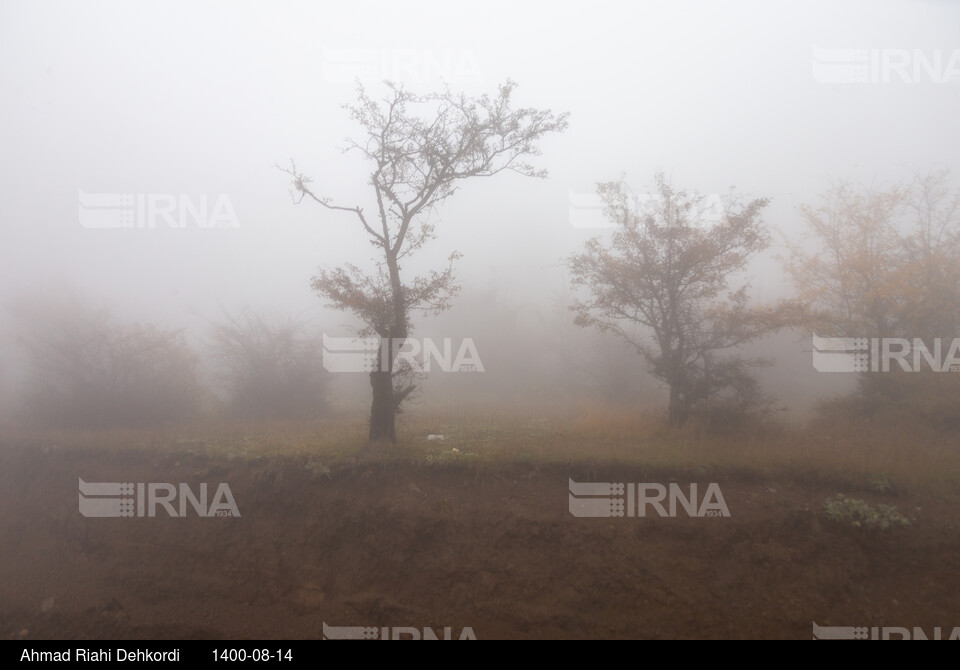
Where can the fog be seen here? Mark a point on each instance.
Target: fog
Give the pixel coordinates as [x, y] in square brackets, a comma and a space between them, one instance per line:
[443, 320]
[203, 100]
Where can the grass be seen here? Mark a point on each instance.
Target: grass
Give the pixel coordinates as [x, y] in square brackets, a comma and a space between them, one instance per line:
[860, 514]
[875, 458]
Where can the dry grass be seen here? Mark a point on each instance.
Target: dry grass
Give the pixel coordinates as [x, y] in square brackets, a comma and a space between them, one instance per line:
[907, 456]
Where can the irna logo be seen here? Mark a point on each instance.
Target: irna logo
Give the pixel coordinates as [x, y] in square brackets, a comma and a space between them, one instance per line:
[395, 633]
[369, 354]
[605, 500]
[114, 499]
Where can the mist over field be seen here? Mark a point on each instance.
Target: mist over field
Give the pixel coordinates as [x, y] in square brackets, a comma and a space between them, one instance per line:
[614, 232]
[204, 100]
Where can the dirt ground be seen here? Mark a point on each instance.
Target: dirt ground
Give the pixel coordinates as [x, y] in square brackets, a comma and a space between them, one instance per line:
[495, 550]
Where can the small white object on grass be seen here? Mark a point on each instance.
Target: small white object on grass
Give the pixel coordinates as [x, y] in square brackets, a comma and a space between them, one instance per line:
[436, 437]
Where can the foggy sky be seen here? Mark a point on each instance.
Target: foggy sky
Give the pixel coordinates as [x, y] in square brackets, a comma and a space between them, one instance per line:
[203, 98]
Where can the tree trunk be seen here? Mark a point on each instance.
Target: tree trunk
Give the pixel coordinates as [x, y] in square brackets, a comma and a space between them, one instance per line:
[679, 410]
[382, 410]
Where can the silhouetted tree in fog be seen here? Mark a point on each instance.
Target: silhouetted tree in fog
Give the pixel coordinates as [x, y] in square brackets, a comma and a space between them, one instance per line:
[86, 370]
[273, 368]
[421, 148]
[885, 263]
[663, 284]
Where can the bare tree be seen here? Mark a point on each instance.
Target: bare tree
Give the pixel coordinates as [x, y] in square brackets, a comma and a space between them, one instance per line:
[663, 284]
[86, 370]
[421, 148]
[271, 366]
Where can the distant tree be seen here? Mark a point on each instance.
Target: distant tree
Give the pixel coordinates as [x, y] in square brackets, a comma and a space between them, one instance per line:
[882, 262]
[663, 284]
[421, 147]
[86, 370]
[272, 369]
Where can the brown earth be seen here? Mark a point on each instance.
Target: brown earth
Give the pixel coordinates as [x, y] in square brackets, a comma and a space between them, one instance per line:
[493, 549]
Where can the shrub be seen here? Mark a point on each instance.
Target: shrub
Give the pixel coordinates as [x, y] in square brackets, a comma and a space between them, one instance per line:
[860, 514]
[86, 370]
[271, 369]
